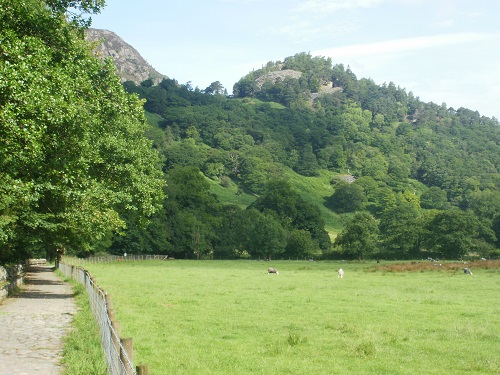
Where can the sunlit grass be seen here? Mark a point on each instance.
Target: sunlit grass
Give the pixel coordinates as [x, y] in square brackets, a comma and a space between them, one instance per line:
[228, 317]
[82, 353]
[231, 194]
[153, 119]
[313, 189]
[255, 101]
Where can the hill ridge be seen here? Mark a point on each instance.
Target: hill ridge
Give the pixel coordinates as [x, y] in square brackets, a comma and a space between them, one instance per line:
[130, 65]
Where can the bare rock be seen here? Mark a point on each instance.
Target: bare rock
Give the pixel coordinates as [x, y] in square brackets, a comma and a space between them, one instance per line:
[130, 65]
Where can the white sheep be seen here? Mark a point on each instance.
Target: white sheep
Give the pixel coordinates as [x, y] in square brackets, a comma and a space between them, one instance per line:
[341, 273]
[272, 270]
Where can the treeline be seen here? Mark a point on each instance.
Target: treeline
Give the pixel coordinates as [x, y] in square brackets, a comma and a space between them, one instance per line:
[195, 224]
[412, 162]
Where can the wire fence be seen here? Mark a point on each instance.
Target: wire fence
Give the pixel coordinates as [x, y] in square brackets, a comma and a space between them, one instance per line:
[118, 352]
[115, 258]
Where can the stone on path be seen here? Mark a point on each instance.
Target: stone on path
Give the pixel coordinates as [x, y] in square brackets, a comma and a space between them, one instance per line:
[33, 324]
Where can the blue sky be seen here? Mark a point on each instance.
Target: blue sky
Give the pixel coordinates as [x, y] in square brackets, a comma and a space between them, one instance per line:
[441, 50]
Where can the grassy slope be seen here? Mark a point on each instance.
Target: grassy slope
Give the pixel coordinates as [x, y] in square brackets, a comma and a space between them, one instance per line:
[316, 190]
[230, 195]
[223, 317]
[313, 189]
[152, 118]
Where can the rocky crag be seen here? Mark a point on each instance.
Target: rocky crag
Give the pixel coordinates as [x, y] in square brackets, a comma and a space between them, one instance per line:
[130, 65]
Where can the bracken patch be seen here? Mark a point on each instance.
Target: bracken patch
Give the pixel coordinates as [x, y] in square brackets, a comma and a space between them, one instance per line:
[437, 266]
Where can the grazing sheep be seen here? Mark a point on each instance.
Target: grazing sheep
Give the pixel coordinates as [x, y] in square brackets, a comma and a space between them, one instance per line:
[272, 270]
[341, 273]
[467, 271]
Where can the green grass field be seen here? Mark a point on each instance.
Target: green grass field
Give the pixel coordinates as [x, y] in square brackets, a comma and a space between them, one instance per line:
[231, 317]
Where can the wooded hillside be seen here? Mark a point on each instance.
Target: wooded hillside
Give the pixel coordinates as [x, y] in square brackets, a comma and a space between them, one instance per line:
[414, 164]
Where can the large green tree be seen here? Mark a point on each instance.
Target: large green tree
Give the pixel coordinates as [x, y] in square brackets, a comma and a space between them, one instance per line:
[264, 236]
[231, 241]
[359, 238]
[496, 229]
[434, 197]
[452, 233]
[299, 244]
[401, 231]
[280, 198]
[293, 211]
[191, 213]
[347, 198]
[73, 156]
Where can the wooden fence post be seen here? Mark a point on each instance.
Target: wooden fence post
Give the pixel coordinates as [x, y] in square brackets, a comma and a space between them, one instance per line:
[142, 370]
[128, 347]
[109, 307]
[117, 328]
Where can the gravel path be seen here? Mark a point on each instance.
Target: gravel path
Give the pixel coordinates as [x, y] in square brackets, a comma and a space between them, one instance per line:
[33, 324]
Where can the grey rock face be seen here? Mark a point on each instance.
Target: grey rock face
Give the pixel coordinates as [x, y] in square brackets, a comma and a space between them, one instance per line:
[130, 65]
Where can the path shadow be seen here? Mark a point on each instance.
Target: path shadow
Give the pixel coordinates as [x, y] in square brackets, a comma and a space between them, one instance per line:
[33, 294]
[37, 276]
[36, 269]
[31, 281]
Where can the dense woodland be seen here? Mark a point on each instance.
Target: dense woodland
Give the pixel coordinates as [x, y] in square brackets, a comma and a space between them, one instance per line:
[426, 177]
[304, 160]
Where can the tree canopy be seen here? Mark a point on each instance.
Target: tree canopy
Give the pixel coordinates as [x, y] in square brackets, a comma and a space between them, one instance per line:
[73, 155]
[358, 239]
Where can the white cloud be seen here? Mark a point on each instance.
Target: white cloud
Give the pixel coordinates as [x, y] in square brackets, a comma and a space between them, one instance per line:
[401, 45]
[301, 30]
[329, 6]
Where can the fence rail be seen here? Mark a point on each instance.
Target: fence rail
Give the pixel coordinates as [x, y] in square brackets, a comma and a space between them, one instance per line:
[118, 351]
[114, 258]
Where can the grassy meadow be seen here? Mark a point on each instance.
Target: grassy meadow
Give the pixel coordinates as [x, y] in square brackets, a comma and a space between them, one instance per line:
[231, 317]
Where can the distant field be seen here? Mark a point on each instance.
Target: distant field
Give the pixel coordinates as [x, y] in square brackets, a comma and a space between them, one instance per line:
[230, 317]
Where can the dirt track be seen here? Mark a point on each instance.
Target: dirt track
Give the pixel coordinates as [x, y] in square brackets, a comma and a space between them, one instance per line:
[33, 324]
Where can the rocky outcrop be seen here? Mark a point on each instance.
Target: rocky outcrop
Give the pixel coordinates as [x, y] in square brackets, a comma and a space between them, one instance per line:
[275, 75]
[349, 178]
[281, 75]
[130, 65]
[326, 88]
